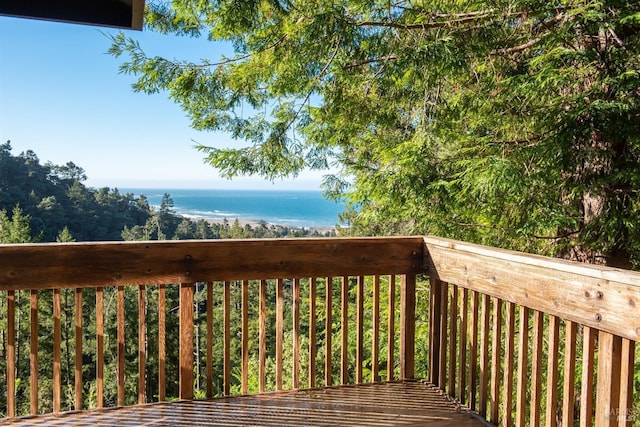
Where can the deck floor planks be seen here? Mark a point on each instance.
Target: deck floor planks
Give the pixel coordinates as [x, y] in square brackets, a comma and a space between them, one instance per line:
[406, 403]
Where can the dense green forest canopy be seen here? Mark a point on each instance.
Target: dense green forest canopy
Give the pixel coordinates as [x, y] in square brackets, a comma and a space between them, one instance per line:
[505, 123]
[47, 203]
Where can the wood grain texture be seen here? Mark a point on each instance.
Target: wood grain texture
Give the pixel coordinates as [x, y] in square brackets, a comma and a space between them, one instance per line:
[407, 326]
[295, 375]
[226, 336]
[600, 297]
[11, 354]
[162, 344]
[328, 328]
[411, 403]
[39, 266]
[553, 354]
[453, 339]
[142, 343]
[344, 331]
[99, 347]
[586, 387]
[313, 344]
[78, 345]
[359, 328]
[120, 338]
[494, 396]
[209, 362]
[568, 390]
[57, 340]
[262, 338]
[244, 384]
[391, 310]
[608, 382]
[461, 394]
[507, 381]
[186, 341]
[279, 331]
[375, 337]
[33, 353]
[523, 362]
[536, 368]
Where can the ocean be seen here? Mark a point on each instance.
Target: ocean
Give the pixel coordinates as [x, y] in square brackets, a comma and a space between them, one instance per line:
[283, 207]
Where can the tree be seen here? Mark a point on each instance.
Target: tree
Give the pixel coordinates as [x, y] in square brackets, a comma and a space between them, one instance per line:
[506, 123]
[15, 229]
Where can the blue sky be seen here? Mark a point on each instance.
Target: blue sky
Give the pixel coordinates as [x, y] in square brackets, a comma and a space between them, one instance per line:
[61, 96]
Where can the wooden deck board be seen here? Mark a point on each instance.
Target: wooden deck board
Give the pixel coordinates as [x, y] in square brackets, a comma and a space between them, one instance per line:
[388, 404]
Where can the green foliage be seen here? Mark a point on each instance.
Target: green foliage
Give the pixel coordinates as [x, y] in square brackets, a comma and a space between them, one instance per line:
[15, 229]
[509, 123]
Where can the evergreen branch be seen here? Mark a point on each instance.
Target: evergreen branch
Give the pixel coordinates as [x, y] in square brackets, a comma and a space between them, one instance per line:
[370, 61]
[515, 49]
[243, 57]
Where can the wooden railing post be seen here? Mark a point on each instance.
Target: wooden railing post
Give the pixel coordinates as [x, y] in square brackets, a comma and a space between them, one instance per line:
[434, 329]
[407, 326]
[608, 388]
[186, 341]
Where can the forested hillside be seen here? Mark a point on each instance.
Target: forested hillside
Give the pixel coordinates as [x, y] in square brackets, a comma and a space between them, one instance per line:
[47, 202]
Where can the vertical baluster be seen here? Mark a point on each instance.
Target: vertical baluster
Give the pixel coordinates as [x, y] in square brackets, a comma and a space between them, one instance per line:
[568, 398]
[312, 332]
[99, 347]
[11, 354]
[435, 319]
[552, 372]
[296, 333]
[625, 410]
[78, 339]
[375, 344]
[57, 340]
[495, 360]
[262, 338]
[162, 353]
[33, 353]
[586, 393]
[186, 341]
[344, 329]
[462, 351]
[453, 339]
[507, 400]
[120, 337]
[245, 336]
[359, 328]
[608, 386]
[226, 362]
[407, 326]
[523, 369]
[142, 343]
[328, 330]
[279, 331]
[444, 307]
[536, 368]
[473, 351]
[484, 356]
[391, 334]
[209, 366]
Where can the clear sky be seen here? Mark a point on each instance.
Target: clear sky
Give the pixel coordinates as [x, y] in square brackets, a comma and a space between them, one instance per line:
[61, 96]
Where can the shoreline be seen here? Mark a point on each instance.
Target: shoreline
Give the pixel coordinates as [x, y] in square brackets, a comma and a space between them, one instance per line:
[257, 223]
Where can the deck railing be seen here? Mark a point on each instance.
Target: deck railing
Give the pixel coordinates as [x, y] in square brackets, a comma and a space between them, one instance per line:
[495, 329]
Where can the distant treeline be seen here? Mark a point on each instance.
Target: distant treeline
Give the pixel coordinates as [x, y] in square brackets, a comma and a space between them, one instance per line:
[47, 202]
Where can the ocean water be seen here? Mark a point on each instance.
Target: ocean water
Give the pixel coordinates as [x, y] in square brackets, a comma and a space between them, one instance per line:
[283, 207]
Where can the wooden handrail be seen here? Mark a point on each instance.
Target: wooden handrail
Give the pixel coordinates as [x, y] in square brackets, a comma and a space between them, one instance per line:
[557, 301]
[55, 265]
[498, 320]
[607, 299]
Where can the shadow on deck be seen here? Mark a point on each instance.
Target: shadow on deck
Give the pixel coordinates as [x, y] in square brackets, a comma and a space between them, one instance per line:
[387, 404]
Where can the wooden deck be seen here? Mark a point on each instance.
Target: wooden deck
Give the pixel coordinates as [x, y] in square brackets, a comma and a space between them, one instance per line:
[390, 404]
